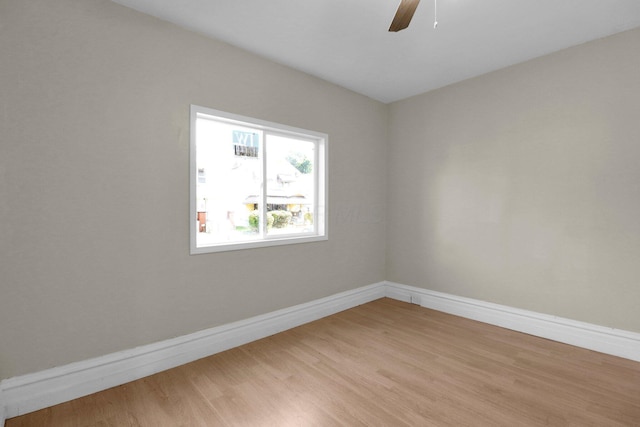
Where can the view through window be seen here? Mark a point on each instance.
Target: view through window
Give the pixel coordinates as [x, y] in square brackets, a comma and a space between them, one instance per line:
[254, 183]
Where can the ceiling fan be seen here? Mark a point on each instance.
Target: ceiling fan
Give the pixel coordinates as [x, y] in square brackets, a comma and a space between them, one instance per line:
[404, 14]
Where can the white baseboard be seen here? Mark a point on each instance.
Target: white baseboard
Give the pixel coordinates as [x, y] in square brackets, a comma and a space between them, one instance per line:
[31, 392]
[611, 341]
[2, 406]
[50, 387]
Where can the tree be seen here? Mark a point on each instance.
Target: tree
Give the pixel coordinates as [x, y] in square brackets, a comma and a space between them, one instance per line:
[300, 162]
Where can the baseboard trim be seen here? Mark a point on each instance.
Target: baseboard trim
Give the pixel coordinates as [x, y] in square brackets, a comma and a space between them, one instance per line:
[2, 409]
[611, 341]
[50, 387]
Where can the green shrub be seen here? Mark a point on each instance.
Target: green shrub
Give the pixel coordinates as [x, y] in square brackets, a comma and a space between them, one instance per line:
[254, 220]
[280, 218]
[270, 220]
[308, 218]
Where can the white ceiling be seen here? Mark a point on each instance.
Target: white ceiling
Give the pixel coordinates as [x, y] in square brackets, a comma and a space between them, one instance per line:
[346, 41]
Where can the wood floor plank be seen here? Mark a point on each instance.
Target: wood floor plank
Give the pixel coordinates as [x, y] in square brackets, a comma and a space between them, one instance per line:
[385, 363]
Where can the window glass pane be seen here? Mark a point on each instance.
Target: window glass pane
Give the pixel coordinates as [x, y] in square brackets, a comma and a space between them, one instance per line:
[229, 182]
[290, 190]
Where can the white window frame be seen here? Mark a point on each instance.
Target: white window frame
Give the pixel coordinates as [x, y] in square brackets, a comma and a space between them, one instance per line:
[321, 183]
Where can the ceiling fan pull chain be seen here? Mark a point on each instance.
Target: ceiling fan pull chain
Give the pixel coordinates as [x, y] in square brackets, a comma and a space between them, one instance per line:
[435, 14]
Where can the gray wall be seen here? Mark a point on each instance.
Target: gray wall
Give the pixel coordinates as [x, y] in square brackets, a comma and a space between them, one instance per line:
[522, 186]
[94, 211]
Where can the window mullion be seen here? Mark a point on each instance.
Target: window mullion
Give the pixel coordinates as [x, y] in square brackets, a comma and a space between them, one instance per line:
[263, 195]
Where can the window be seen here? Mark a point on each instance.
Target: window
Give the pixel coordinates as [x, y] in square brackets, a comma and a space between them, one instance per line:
[254, 183]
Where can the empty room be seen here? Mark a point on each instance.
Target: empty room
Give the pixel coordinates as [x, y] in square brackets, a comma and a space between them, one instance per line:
[286, 213]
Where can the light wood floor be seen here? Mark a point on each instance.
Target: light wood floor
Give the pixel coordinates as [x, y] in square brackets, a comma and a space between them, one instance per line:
[385, 363]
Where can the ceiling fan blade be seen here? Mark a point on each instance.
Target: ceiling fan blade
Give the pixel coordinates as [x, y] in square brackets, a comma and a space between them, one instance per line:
[403, 15]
